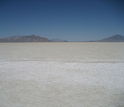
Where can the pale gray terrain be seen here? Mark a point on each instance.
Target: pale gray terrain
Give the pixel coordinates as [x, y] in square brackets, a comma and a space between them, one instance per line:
[62, 75]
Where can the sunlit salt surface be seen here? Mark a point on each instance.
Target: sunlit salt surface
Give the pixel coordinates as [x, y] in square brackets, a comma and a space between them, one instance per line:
[80, 52]
[61, 74]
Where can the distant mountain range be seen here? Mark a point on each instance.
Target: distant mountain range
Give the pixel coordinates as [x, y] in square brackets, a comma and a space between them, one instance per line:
[29, 38]
[35, 38]
[115, 38]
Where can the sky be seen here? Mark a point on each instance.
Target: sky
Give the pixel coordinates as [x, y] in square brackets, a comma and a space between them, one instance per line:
[74, 20]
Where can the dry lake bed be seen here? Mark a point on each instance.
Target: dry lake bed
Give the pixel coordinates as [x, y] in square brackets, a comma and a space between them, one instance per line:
[71, 74]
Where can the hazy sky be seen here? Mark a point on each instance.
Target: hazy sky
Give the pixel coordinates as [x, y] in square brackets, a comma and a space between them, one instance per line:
[63, 19]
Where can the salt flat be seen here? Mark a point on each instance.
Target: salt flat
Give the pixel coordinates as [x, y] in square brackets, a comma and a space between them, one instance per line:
[61, 75]
[61, 84]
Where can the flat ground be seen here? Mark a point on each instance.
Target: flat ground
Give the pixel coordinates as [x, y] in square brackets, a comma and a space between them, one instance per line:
[61, 84]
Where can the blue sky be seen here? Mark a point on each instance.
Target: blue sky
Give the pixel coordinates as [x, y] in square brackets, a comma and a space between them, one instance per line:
[74, 20]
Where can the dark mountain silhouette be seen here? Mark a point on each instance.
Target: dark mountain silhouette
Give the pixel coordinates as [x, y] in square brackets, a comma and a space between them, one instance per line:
[28, 38]
[115, 38]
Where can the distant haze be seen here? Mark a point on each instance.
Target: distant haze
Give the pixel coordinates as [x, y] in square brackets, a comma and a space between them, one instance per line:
[73, 20]
[36, 38]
